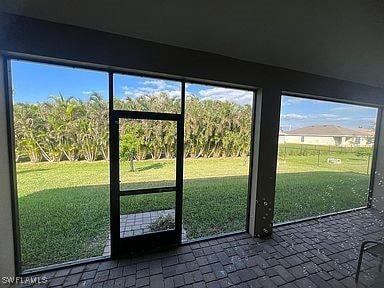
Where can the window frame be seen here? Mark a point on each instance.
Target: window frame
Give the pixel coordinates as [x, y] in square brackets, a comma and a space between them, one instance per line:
[8, 57]
[373, 157]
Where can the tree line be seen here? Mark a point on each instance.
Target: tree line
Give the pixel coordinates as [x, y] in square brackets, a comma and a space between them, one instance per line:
[66, 128]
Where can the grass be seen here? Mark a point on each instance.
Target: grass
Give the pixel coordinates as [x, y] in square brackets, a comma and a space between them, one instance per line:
[290, 147]
[300, 195]
[64, 207]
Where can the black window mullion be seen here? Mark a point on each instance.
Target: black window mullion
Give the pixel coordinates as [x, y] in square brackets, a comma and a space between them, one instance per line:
[146, 115]
[180, 167]
[114, 173]
[147, 191]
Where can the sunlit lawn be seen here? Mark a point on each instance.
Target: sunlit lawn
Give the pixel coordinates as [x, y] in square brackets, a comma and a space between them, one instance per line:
[64, 207]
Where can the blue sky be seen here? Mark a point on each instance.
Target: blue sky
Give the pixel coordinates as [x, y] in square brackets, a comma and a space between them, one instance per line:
[34, 82]
[298, 112]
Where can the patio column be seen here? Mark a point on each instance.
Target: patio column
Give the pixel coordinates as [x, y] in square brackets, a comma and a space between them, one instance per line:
[266, 134]
[378, 166]
[7, 255]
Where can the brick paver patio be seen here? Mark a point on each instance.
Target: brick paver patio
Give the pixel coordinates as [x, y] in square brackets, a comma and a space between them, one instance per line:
[139, 224]
[315, 253]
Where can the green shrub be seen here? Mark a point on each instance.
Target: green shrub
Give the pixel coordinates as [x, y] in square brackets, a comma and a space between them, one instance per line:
[164, 222]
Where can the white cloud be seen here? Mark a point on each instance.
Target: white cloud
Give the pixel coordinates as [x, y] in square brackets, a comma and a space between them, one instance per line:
[225, 94]
[294, 100]
[90, 92]
[343, 118]
[293, 116]
[350, 108]
[159, 84]
[156, 86]
[368, 119]
[328, 117]
[290, 100]
[153, 87]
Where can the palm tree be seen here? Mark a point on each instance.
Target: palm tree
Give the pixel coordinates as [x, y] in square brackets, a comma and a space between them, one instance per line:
[99, 111]
[128, 144]
[67, 127]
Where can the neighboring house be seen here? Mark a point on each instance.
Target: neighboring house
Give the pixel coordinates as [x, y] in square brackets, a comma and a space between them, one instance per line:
[330, 135]
[282, 137]
[368, 133]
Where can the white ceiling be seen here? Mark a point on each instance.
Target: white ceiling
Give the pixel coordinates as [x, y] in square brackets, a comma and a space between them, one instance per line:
[338, 38]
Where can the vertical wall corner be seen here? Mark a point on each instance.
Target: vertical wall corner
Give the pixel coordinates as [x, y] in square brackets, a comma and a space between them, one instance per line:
[262, 198]
[7, 255]
[377, 198]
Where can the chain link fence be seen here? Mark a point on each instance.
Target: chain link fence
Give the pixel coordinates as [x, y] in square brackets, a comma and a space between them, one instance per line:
[356, 159]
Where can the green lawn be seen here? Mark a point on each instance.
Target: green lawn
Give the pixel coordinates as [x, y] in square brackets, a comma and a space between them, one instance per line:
[64, 207]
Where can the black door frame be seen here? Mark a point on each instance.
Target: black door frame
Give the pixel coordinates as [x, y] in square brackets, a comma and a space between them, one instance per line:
[133, 244]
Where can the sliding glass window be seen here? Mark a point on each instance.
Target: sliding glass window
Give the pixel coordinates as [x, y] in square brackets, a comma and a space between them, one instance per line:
[217, 141]
[60, 124]
[324, 159]
[62, 136]
[138, 93]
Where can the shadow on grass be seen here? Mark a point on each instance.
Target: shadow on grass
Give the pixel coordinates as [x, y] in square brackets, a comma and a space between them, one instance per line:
[72, 223]
[150, 167]
[32, 171]
[65, 224]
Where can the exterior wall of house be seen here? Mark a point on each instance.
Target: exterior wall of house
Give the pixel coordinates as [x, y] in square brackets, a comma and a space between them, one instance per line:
[364, 142]
[359, 141]
[326, 140]
[315, 140]
[7, 255]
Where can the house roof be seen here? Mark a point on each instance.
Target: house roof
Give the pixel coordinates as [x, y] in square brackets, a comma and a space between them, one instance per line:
[327, 130]
[366, 131]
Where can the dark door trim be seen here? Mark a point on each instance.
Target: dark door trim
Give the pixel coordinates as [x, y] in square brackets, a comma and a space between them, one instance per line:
[123, 246]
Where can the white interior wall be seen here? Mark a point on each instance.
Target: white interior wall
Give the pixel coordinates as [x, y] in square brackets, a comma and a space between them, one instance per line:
[6, 244]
